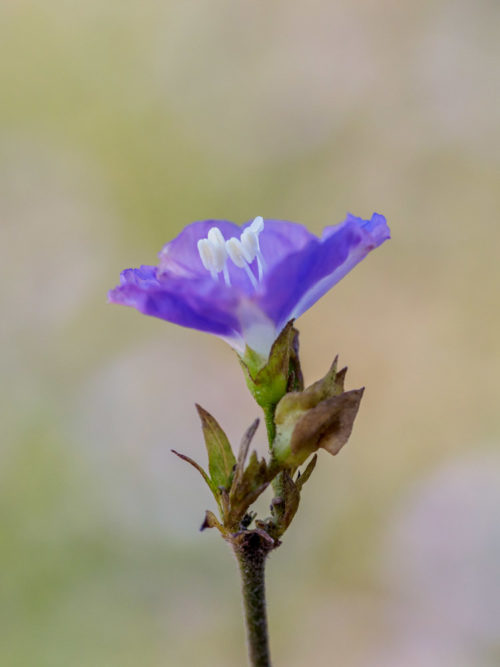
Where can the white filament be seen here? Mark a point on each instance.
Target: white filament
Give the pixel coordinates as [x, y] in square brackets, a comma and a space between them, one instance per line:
[236, 252]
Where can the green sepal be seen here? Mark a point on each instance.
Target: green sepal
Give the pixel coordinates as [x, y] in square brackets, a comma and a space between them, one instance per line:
[221, 460]
[268, 380]
[295, 377]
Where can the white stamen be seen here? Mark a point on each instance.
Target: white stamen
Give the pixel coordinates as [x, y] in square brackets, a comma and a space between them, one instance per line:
[260, 265]
[257, 225]
[219, 246]
[215, 251]
[249, 273]
[237, 253]
[207, 256]
[251, 245]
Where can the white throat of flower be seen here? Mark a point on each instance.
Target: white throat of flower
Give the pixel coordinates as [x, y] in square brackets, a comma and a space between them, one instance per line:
[215, 252]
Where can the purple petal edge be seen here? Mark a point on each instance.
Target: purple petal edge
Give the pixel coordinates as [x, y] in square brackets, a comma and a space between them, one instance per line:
[304, 277]
[187, 303]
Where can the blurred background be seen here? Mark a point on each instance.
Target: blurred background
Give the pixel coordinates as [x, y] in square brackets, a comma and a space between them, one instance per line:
[121, 122]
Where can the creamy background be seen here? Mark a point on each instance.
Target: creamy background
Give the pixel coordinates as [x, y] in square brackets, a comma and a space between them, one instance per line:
[121, 122]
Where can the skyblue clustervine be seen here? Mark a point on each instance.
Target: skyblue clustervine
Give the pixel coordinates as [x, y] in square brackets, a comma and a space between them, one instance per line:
[248, 285]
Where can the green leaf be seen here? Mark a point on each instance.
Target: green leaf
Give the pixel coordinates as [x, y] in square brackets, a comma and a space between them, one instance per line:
[248, 483]
[248, 487]
[285, 506]
[243, 453]
[303, 477]
[198, 468]
[221, 459]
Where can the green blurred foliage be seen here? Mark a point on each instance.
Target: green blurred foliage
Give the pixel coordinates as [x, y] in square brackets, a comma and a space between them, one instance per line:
[122, 122]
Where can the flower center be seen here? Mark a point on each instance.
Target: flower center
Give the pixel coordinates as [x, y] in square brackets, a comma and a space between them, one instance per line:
[215, 251]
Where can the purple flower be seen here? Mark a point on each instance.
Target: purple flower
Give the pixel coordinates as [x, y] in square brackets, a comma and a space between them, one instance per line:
[244, 284]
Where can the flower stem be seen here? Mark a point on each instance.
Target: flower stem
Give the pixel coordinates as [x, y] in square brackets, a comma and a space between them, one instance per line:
[270, 425]
[269, 411]
[251, 550]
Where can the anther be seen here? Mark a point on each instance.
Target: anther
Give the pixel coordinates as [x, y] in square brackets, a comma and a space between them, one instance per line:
[220, 253]
[250, 243]
[215, 251]
[237, 253]
[207, 256]
[257, 225]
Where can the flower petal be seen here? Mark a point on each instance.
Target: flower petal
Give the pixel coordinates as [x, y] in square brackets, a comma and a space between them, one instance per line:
[281, 238]
[180, 257]
[144, 277]
[297, 282]
[196, 303]
[294, 268]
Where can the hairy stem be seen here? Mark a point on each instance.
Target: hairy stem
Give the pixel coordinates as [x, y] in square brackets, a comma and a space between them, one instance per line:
[251, 550]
